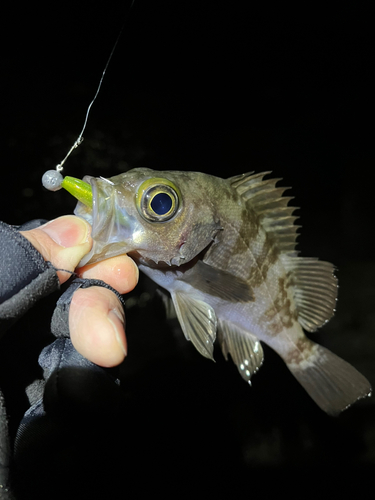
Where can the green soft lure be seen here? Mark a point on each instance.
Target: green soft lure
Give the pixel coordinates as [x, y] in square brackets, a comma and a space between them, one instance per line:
[79, 189]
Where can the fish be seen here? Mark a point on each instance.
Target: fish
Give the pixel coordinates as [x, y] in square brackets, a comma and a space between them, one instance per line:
[225, 250]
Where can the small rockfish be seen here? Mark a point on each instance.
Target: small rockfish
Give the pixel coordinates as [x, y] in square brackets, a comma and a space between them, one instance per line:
[225, 251]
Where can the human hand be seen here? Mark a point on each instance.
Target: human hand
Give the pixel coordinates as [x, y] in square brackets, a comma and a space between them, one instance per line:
[96, 317]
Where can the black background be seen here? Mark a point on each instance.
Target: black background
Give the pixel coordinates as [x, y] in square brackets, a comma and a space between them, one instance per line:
[224, 88]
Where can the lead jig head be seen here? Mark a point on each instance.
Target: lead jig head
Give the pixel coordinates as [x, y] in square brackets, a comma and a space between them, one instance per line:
[53, 181]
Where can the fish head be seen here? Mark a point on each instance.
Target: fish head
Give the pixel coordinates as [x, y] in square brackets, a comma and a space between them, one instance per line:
[161, 218]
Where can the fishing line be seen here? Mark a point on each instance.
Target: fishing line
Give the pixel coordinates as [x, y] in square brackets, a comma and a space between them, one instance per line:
[52, 179]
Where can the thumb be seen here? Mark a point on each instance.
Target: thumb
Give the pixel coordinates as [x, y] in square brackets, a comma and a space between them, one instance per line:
[63, 242]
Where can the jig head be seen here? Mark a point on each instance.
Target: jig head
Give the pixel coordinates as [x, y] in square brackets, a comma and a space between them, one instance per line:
[53, 181]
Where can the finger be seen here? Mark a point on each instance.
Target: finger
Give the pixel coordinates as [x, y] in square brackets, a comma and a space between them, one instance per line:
[63, 242]
[120, 272]
[96, 324]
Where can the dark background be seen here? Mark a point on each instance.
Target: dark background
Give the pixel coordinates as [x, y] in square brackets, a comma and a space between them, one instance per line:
[223, 88]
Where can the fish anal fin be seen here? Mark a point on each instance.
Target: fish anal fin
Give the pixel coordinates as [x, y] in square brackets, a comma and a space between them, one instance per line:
[245, 348]
[198, 322]
[315, 290]
[331, 382]
[219, 283]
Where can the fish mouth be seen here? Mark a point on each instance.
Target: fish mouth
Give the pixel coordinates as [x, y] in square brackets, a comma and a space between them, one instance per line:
[111, 225]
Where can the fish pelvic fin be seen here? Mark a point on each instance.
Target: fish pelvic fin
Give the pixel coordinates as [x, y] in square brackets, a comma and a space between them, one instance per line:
[244, 347]
[198, 322]
[331, 382]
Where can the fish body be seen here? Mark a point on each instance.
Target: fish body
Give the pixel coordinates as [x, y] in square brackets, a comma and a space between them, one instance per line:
[225, 251]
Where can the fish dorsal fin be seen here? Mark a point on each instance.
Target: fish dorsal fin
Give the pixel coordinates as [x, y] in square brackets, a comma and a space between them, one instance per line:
[315, 290]
[244, 348]
[198, 322]
[271, 207]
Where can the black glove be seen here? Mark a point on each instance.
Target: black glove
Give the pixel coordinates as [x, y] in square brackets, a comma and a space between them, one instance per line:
[74, 397]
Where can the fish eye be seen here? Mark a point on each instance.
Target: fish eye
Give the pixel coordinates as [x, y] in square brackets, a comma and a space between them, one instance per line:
[162, 203]
[158, 200]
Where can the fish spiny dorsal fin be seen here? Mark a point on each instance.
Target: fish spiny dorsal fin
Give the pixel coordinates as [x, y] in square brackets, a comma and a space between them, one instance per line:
[271, 206]
[315, 290]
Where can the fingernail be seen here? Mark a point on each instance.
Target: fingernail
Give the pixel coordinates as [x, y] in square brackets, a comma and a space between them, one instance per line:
[68, 231]
[136, 272]
[117, 321]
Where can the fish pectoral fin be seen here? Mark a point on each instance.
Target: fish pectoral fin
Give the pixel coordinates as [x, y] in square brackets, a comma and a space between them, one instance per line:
[198, 322]
[219, 283]
[245, 348]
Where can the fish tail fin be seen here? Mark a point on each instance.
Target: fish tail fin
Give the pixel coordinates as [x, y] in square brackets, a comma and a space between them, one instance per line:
[331, 382]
